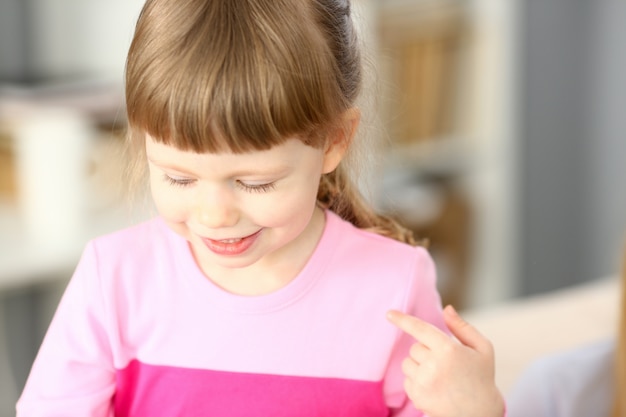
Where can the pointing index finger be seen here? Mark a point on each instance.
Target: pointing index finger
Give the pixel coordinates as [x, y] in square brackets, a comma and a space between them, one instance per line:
[424, 332]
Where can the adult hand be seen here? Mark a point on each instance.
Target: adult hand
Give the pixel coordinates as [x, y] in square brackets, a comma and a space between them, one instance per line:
[448, 377]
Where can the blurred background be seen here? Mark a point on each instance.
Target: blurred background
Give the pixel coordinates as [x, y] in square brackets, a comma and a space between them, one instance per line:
[503, 124]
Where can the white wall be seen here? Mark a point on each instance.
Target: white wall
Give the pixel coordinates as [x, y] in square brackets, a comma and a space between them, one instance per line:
[493, 187]
[82, 36]
[574, 156]
[606, 144]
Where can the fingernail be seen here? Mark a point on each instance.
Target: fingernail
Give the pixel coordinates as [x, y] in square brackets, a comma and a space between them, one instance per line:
[391, 314]
[450, 308]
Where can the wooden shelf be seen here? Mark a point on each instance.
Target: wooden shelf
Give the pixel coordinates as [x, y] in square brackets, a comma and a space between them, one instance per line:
[447, 157]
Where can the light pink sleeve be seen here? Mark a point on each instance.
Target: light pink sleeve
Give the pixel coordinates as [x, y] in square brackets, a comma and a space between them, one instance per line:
[73, 373]
[423, 301]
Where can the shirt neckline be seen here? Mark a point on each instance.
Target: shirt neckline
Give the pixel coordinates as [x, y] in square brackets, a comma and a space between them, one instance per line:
[276, 300]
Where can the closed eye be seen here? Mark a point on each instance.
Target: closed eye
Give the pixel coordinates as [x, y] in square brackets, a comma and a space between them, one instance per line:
[256, 188]
[178, 181]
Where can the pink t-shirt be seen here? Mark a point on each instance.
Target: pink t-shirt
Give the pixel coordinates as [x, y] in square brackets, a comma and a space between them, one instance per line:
[140, 331]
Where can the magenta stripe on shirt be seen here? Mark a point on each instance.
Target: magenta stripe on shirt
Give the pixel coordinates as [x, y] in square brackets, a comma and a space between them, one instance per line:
[149, 390]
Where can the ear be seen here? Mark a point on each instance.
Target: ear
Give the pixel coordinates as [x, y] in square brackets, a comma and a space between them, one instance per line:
[340, 139]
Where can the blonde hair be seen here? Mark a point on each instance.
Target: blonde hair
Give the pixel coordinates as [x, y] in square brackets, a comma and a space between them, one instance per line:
[619, 402]
[208, 76]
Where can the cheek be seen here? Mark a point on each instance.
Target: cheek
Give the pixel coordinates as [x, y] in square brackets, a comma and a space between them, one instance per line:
[292, 210]
[168, 203]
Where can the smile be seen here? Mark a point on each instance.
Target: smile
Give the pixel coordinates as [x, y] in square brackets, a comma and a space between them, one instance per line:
[232, 246]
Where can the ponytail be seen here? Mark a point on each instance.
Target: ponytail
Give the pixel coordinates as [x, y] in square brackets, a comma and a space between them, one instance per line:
[338, 194]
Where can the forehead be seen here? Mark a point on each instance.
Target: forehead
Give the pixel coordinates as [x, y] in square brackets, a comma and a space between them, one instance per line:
[288, 154]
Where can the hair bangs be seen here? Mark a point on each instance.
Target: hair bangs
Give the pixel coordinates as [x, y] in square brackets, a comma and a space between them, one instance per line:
[238, 86]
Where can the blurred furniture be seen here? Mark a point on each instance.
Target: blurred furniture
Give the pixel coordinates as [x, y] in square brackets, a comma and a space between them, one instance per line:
[526, 328]
[422, 46]
[98, 107]
[425, 50]
[446, 102]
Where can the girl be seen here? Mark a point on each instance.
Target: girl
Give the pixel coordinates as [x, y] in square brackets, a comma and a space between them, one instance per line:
[263, 285]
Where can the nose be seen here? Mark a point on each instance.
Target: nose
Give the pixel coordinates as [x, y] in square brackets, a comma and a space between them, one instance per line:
[216, 209]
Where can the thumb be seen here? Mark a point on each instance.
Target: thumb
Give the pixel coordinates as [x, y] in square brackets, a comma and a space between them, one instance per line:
[465, 332]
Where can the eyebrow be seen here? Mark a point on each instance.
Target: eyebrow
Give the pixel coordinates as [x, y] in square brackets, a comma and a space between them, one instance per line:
[275, 171]
[167, 165]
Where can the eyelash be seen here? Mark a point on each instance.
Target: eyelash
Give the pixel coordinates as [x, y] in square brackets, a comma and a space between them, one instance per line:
[256, 188]
[183, 182]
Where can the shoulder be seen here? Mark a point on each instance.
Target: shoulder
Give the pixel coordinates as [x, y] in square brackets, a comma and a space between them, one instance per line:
[370, 245]
[384, 264]
[377, 257]
[574, 382]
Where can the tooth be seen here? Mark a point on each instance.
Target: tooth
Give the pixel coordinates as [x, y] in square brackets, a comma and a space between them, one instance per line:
[230, 240]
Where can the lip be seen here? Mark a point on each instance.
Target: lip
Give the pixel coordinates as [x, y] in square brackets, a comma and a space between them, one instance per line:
[231, 247]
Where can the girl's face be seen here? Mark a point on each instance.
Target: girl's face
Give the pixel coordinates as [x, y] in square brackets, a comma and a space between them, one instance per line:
[244, 215]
